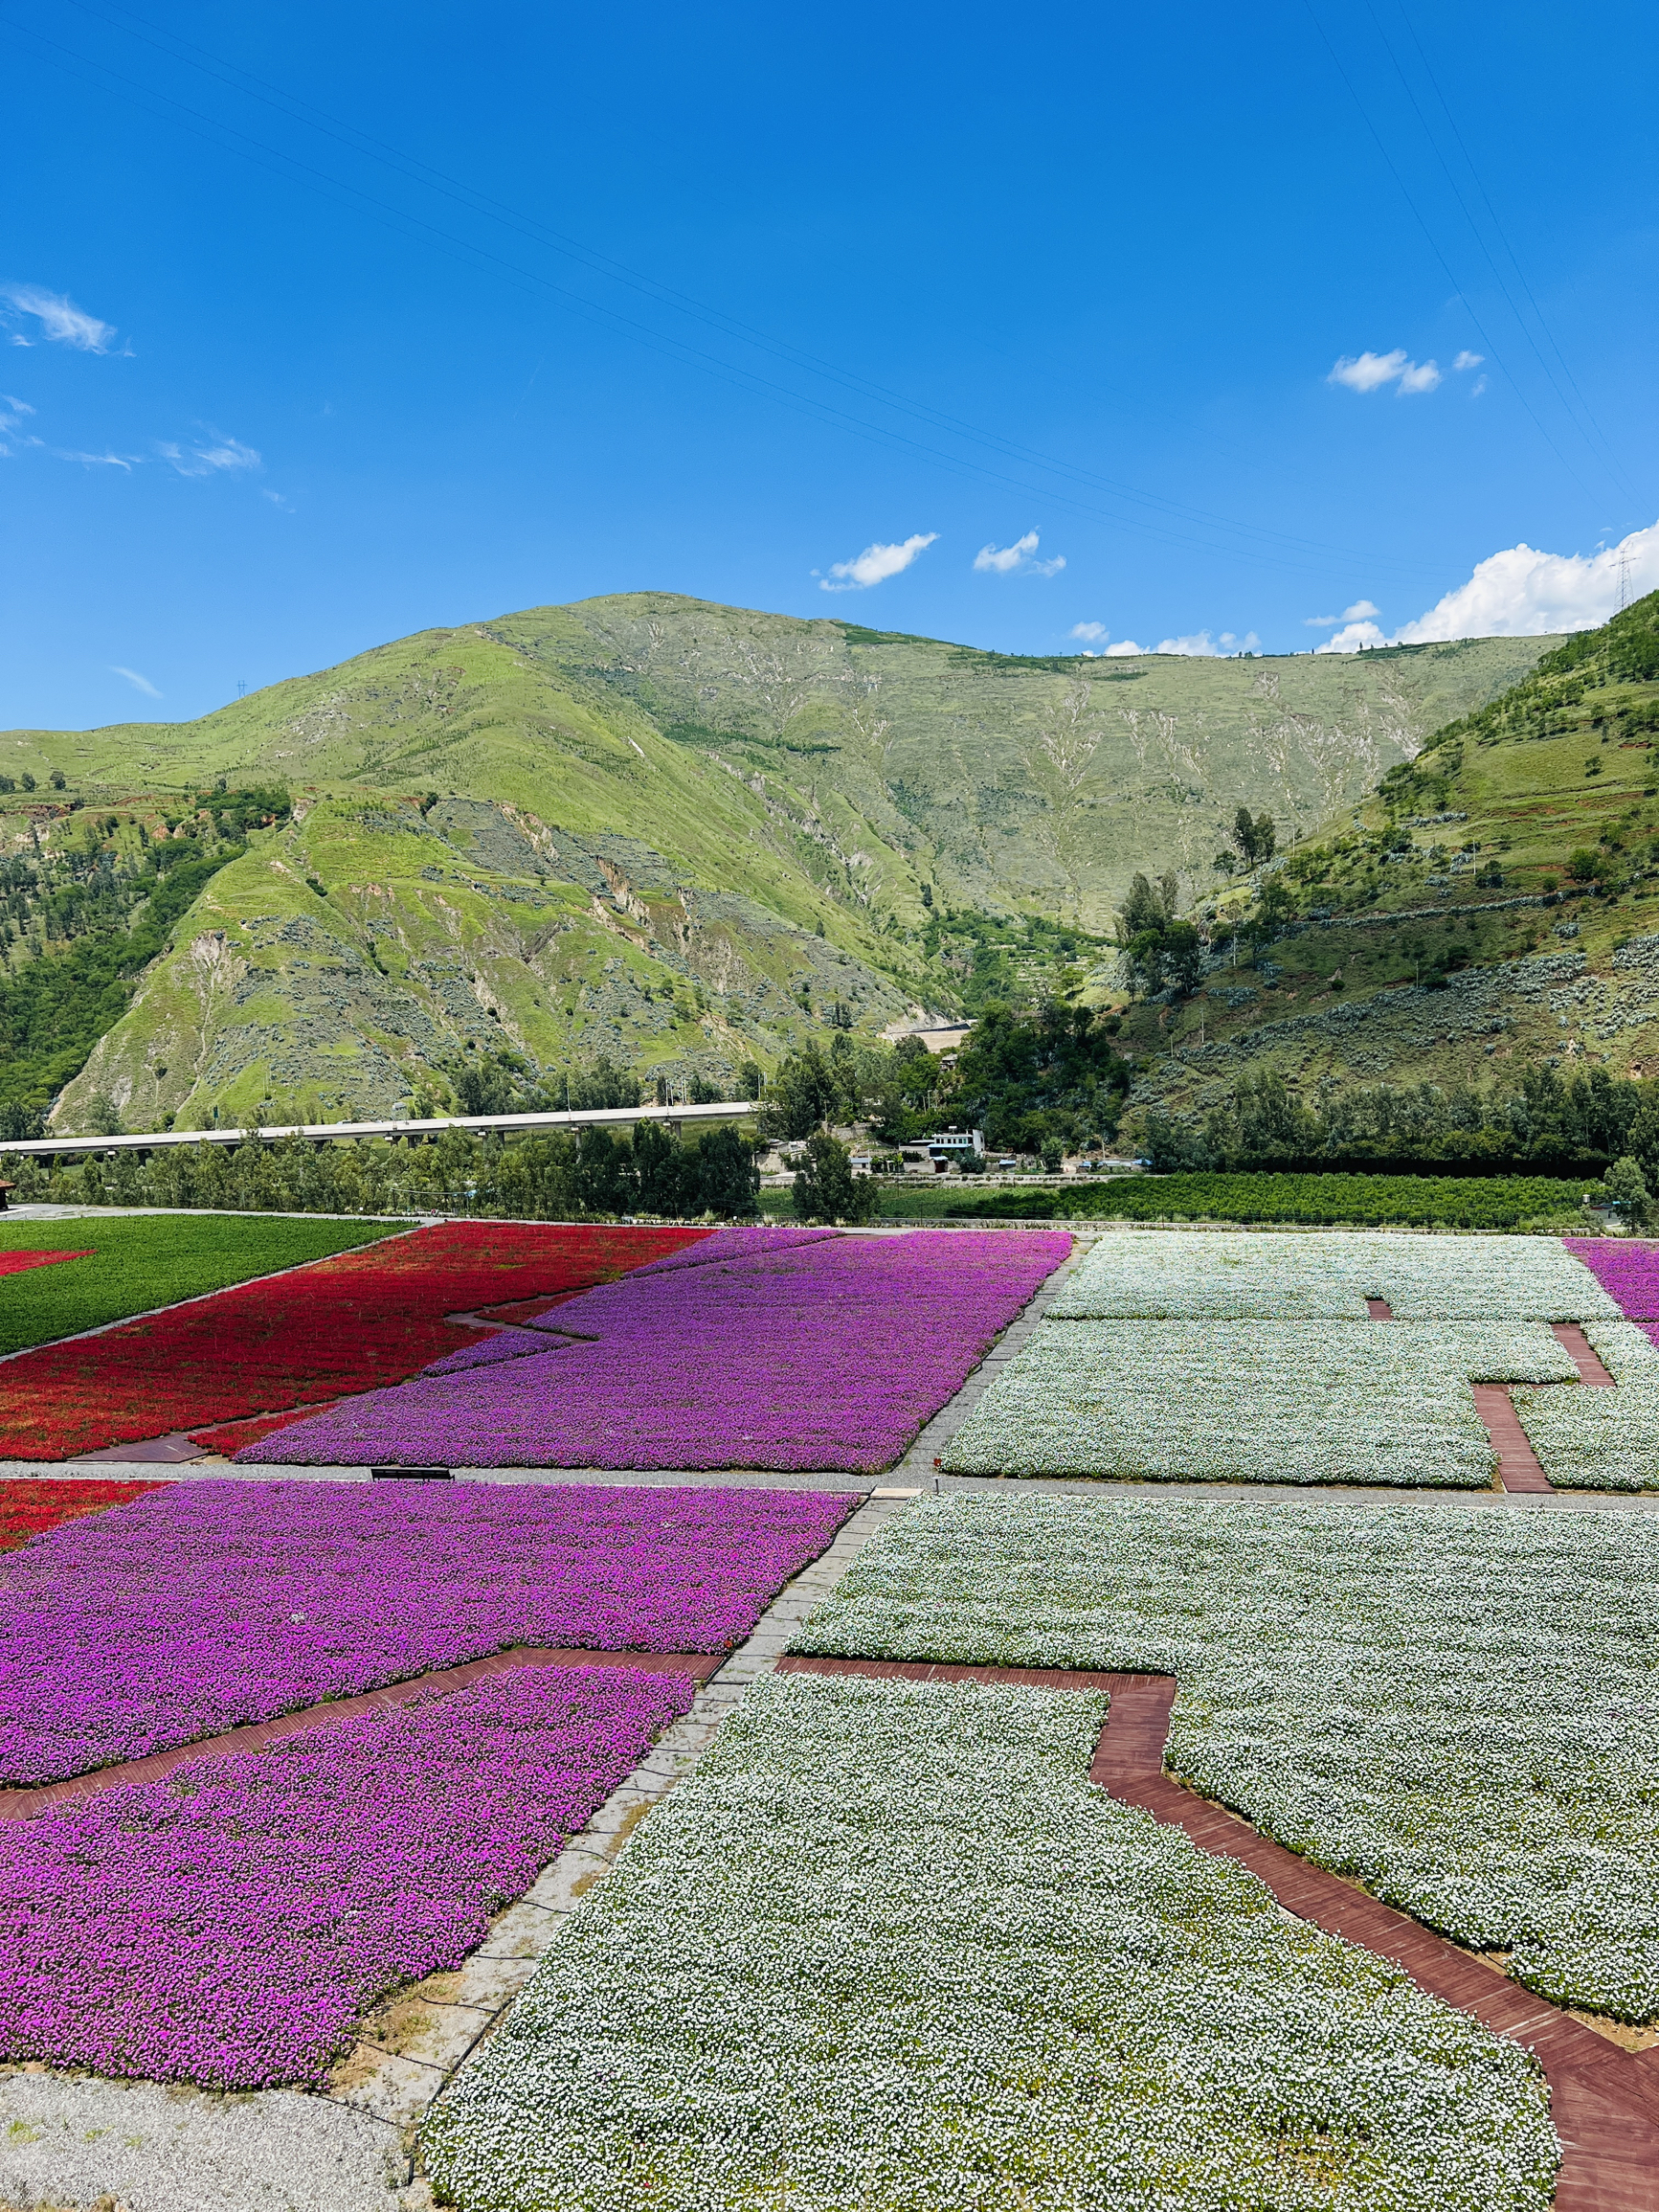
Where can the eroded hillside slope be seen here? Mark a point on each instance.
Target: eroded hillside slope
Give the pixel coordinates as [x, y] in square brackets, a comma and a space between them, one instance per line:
[646, 830]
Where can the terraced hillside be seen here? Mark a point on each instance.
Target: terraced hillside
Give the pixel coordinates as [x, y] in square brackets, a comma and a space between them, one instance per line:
[1495, 901]
[643, 829]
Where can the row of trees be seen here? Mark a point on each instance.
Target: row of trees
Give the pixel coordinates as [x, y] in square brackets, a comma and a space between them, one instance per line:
[554, 1178]
[1543, 1125]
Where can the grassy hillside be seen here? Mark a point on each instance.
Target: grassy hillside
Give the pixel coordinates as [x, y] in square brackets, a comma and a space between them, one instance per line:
[1492, 904]
[643, 829]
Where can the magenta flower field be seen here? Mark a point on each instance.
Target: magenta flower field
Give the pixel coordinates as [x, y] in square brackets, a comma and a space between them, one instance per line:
[818, 1352]
[1627, 1271]
[227, 1924]
[204, 1605]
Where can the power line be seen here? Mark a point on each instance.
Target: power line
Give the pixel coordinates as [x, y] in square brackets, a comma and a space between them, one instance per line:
[1435, 248]
[1174, 517]
[1610, 459]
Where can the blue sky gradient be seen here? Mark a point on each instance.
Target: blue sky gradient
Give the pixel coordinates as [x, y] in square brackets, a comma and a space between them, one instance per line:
[396, 316]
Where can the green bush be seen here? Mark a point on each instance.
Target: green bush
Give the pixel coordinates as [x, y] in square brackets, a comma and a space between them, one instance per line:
[1496, 1201]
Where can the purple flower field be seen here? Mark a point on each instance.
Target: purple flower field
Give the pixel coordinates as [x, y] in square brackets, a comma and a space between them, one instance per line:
[227, 1924]
[822, 1354]
[206, 1605]
[1627, 1271]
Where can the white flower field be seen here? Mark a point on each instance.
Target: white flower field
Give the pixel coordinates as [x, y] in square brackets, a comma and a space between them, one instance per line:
[1234, 1401]
[888, 1948]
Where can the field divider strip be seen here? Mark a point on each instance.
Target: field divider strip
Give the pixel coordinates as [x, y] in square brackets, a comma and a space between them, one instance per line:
[1604, 2101]
[21, 1803]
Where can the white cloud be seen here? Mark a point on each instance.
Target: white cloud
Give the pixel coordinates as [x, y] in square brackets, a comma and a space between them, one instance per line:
[221, 456]
[1122, 650]
[1359, 608]
[1204, 647]
[1370, 372]
[60, 320]
[1468, 360]
[11, 413]
[1016, 559]
[97, 460]
[1522, 593]
[139, 682]
[1089, 633]
[874, 565]
[1351, 636]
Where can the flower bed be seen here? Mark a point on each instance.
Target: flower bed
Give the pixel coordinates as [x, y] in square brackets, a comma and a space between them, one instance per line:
[1454, 1709]
[1253, 1401]
[208, 1604]
[828, 1354]
[28, 1507]
[1186, 1274]
[347, 1324]
[1628, 1272]
[228, 1924]
[1597, 1439]
[142, 1261]
[889, 1947]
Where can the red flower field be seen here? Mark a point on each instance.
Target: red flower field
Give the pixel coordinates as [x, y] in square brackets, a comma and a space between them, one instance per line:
[14, 1262]
[28, 1508]
[354, 1323]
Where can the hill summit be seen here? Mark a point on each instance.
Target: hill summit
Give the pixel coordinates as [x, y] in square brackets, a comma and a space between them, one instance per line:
[642, 832]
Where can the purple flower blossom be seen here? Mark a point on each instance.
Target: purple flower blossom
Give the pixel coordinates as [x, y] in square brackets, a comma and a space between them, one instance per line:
[829, 1354]
[204, 1605]
[505, 1344]
[228, 1924]
[1628, 1272]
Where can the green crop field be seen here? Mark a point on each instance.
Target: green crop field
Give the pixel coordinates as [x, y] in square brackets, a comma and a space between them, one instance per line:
[1497, 1202]
[137, 1262]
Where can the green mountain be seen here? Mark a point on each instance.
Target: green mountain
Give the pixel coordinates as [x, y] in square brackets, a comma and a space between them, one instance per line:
[1491, 906]
[642, 831]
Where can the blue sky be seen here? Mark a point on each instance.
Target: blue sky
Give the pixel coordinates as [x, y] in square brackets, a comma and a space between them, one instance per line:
[318, 325]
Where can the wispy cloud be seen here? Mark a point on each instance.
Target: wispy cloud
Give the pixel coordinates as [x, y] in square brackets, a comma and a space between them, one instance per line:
[1371, 371]
[1204, 647]
[127, 461]
[276, 499]
[11, 413]
[1356, 611]
[220, 456]
[1017, 560]
[61, 322]
[139, 682]
[1089, 633]
[874, 565]
[1468, 360]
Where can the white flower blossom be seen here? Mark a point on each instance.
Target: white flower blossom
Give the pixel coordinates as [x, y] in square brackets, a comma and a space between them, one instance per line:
[888, 1949]
[1201, 1274]
[1456, 1707]
[1167, 1400]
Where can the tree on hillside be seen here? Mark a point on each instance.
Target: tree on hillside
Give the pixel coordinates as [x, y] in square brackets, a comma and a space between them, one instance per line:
[1255, 836]
[1159, 952]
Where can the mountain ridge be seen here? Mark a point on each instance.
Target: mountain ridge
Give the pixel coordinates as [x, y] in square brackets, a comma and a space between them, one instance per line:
[653, 832]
